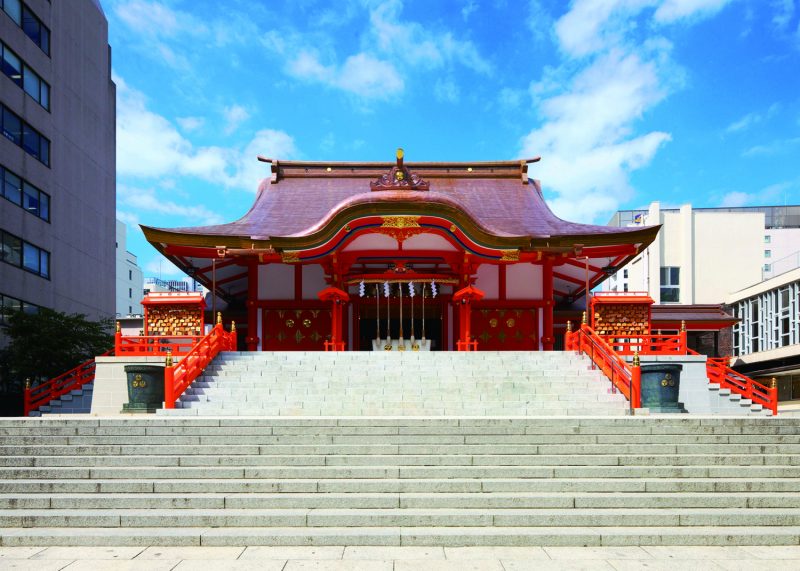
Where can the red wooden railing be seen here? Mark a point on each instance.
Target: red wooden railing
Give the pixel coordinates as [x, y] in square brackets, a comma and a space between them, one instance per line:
[177, 378]
[648, 344]
[334, 345]
[467, 345]
[153, 345]
[35, 397]
[719, 372]
[627, 378]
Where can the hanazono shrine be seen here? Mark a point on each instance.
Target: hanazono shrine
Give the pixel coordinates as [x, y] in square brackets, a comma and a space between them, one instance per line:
[400, 256]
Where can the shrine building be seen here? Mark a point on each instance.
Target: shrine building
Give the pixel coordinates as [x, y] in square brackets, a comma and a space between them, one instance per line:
[400, 256]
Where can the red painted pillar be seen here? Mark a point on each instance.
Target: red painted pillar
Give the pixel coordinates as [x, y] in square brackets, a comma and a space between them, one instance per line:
[464, 299]
[252, 308]
[548, 339]
[338, 298]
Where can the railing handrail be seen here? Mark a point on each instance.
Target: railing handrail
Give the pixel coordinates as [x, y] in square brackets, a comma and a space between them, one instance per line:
[35, 397]
[719, 372]
[144, 345]
[647, 344]
[177, 378]
[624, 377]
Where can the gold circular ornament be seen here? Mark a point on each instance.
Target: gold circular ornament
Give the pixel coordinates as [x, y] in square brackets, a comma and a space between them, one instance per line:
[664, 382]
[399, 175]
[493, 322]
[510, 322]
[672, 383]
[306, 323]
[668, 376]
[290, 323]
[415, 347]
[452, 228]
[387, 347]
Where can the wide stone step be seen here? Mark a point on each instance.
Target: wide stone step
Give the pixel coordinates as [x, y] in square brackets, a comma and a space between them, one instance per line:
[496, 460]
[419, 536]
[375, 500]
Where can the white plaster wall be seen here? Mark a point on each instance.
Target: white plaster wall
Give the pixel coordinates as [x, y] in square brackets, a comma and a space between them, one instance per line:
[428, 242]
[372, 242]
[488, 280]
[729, 253]
[783, 243]
[524, 281]
[313, 281]
[276, 281]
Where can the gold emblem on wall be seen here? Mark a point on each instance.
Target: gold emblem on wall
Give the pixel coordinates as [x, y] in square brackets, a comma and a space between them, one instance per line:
[510, 256]
[306, 323]
[493, 322]
[289, 257]
[510, 322]
[290, 323]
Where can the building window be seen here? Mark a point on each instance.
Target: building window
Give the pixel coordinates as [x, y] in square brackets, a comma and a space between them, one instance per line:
[767, 267]
[624, 287]
[130, 274]
[130, 292]
[625, 274]
[767, 239]
[20, 73]
[9, 305]
[29, 22]
[670, 284]
[767, 253]
[22, 134]
[24, 194]
[25, 255]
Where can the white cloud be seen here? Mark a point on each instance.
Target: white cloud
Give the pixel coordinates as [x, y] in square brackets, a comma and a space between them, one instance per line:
[673, 10]
[361, 74]
[234, 116]
[146, 199]
[446, 91]
[752, 119]
[510, 98]
[190, 123]
[470, 7]
[735, 198]
[150, 147]
[783, 13]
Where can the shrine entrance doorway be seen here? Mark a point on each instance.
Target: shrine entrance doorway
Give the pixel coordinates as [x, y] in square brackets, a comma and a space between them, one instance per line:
[434, 323]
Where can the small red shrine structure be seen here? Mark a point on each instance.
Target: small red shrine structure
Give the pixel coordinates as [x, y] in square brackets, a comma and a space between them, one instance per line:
[380, 233]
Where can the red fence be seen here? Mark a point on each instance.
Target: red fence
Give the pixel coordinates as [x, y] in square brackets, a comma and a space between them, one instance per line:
[153, 345]
[41, 394]
[648, 344]
[719, 372]
[177, 378]
[626, 378]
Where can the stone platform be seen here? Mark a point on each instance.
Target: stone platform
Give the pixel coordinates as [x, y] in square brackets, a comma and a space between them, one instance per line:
[403, 481]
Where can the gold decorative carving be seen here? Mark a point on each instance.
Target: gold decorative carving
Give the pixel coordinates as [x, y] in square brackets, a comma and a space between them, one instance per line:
[290, 257]
[453, 228]
[400, 227]
[493, 322]
[510, 322]
[306, 323]
[400, 222]
[510, 256]
[290, 323]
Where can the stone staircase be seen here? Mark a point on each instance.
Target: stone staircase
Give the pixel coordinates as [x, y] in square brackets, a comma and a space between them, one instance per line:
[77, 401]
[679, 480]
[504, 383]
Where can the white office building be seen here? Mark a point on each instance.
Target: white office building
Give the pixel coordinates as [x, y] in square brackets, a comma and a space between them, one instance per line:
[130, 282]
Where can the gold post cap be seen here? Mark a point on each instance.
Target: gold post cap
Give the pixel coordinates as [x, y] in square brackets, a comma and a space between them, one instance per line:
[773, 383]
[168, 360]
[569, 326]
[583, 319]
[219, 317]
[683, 325]
[119, 327]
[636, 362]
[27, 383]
[233, 326]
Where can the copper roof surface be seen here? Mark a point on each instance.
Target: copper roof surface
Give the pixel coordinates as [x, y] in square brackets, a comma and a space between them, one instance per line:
[302, 197]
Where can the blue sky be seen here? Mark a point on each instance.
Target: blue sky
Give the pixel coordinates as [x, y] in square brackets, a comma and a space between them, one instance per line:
[627, 101]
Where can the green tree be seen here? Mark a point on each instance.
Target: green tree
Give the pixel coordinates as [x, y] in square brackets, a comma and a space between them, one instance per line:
[45, 344]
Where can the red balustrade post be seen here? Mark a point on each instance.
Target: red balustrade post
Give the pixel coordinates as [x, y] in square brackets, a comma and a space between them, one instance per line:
[27, 397]
[568, 337]
[636, 383]
[684, 346]
[169, 382]
[117, 339]
[773, 396]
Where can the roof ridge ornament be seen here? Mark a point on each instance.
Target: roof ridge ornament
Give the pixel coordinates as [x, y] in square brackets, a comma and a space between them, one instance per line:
[399, 178]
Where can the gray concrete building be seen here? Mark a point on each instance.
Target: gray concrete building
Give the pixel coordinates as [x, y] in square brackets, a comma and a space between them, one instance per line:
[130, 280]
[57, 158]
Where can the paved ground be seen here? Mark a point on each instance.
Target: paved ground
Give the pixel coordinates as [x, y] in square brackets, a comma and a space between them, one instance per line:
[401, 558]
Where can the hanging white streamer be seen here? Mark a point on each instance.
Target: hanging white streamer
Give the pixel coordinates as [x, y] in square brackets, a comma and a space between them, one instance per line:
[362, 289]
[433, 289]
[411, 289]
[385, 289]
